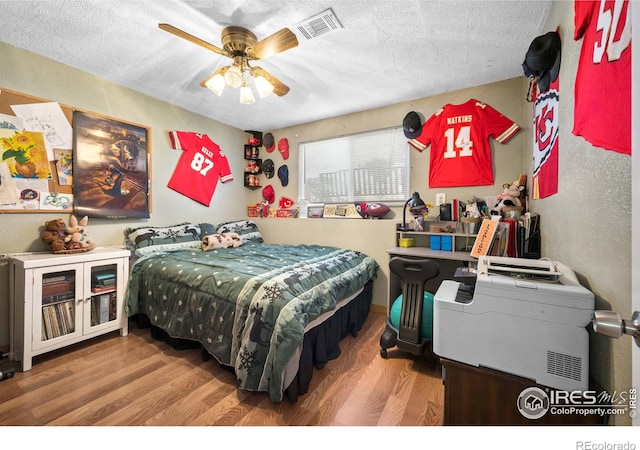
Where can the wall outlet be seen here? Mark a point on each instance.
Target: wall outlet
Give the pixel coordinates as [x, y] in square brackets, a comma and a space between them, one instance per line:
[441, 199]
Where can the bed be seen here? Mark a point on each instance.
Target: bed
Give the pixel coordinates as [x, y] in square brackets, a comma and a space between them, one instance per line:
[268, 312]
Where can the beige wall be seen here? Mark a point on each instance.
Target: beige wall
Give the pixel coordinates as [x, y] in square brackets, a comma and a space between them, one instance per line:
[230, 200]
[33, 75]
[586, 225]
[375, 237]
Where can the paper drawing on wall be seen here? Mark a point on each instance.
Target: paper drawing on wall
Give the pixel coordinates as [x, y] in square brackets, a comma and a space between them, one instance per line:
[64, 166]
[25, 153]
[110, 167]
[49, 119]
[56, 200]
[8, 191]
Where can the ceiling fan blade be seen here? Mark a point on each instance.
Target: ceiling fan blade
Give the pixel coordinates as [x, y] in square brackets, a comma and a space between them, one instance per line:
[220, 71]
[279, 88]
[191, 38]
[278, 42]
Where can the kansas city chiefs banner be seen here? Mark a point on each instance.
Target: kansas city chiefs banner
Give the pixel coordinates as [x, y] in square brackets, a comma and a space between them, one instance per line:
[545, 141]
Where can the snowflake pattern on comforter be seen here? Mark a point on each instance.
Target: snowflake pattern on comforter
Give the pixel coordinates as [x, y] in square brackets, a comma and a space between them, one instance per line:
[247, 306]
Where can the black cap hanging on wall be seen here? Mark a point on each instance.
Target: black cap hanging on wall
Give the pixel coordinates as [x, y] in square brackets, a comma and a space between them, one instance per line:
[542, 61]
[412, 125]
[268, 168]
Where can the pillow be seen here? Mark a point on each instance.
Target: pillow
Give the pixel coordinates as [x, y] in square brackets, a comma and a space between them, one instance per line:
[247, 229]
[221, 240]
[207, 229]
[150, 235]
[191, 245]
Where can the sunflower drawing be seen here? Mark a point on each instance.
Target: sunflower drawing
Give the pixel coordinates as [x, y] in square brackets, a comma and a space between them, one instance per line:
[25, 154]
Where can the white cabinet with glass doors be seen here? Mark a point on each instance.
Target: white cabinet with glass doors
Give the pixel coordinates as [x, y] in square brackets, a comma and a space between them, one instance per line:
[58, 300]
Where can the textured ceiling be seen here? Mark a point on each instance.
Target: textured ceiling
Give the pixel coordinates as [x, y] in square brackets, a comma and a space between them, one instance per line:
[387, 51]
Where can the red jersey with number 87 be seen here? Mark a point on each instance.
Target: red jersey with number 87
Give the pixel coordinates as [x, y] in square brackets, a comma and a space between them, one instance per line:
[200, 166]
[459, 139]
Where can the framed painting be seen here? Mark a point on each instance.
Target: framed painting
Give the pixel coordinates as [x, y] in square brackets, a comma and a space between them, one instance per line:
[111, 162]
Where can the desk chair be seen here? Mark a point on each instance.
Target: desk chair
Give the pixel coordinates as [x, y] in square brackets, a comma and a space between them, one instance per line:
[413, 274]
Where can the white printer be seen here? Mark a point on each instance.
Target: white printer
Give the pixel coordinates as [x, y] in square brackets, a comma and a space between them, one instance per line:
[520, 316]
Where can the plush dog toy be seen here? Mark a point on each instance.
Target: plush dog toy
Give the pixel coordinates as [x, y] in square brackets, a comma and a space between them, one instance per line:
[221, 240]
[77, 233]
[510, 197]
[54, 235]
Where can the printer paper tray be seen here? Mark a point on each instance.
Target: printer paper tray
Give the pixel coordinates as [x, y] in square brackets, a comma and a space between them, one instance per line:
[538, 269]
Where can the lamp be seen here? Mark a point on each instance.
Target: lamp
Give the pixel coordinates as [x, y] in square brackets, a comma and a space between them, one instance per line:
[263, 87]
[415, 204]
[233, 76]
[246, 95]
[216, 84]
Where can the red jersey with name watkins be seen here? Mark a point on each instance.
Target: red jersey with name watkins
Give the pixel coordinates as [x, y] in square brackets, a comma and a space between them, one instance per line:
[460, 147]
[201, 165]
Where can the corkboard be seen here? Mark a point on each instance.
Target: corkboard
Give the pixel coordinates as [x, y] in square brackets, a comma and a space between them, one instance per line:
[9, 98]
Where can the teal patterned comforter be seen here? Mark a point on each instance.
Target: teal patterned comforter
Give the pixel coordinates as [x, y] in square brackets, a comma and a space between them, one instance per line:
[248, 306]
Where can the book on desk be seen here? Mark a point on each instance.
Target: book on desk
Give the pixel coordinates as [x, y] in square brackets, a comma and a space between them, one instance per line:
[516, 238]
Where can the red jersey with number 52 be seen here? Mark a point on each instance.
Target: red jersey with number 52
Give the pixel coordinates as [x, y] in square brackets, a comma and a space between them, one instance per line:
[602, 100]
[459, 139]
[200, 166]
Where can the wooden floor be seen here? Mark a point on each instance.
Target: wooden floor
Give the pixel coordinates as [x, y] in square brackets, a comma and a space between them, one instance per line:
[135, 380]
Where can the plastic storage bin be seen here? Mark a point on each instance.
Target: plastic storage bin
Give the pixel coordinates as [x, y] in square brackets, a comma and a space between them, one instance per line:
[446, 243]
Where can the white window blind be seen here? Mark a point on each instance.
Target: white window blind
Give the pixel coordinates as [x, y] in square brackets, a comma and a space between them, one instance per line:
[363, 167]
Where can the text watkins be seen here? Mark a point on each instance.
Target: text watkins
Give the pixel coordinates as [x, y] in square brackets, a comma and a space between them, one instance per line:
[459, 119]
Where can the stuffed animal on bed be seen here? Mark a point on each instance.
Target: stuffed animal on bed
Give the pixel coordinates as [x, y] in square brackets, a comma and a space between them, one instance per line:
[221, 240]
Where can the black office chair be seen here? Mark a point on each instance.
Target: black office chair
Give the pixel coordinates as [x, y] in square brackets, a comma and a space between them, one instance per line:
[413, 273]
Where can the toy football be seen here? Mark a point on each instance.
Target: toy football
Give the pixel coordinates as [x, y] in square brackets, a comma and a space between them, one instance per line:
[376, 210]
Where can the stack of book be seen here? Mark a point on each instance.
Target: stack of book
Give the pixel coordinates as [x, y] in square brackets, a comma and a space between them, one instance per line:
[103, 281]
[58, 287]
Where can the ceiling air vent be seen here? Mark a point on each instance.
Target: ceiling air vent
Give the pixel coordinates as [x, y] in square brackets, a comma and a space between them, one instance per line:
[319, 24]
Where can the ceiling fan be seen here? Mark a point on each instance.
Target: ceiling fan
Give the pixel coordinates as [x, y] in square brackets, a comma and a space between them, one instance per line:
[242, 46]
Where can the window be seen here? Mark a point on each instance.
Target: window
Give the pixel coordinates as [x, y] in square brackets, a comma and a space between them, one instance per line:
[363, 167]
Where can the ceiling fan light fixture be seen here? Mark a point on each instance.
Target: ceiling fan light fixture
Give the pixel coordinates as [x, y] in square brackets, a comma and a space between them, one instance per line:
[263, 87]
[242, 46]
[233, 76]
[216, 84]
[246, 94]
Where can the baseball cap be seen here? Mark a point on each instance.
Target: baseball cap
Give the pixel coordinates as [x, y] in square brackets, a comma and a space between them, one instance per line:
[256, 140]
[269, 142]
[268, 193]
[283, 174]
[542, 60]
[268, 168]
[412, 125]
[283, 147]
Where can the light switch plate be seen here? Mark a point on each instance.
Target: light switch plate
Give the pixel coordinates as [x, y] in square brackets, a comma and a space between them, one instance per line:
[441, 199]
